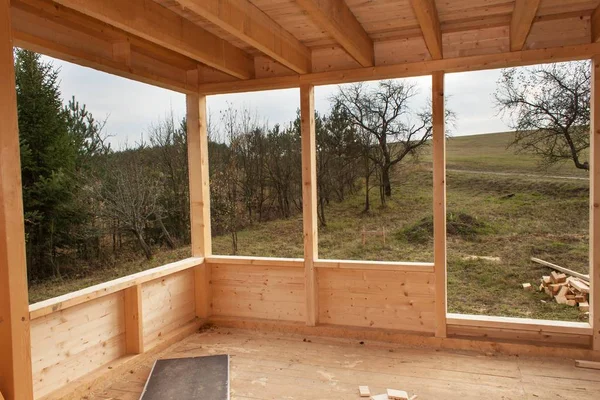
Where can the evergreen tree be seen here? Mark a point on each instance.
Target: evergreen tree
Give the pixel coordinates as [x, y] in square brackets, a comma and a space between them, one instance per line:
[48, 158]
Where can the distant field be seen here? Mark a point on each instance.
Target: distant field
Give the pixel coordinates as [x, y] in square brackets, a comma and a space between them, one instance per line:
[500, 204]
[491, 152]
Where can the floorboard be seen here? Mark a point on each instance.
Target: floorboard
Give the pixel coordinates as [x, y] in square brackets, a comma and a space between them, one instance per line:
[269, 365]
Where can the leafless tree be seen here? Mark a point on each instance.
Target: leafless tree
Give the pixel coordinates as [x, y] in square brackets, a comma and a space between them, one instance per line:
[130, 193]
[549, 109]
[383, 112]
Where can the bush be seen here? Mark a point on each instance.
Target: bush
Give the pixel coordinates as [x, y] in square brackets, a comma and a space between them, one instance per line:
[458, 224]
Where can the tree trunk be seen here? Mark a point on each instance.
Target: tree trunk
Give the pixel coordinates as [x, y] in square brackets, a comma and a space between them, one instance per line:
[143, 244]
[367, 176]
[165, 232]
[385, 180]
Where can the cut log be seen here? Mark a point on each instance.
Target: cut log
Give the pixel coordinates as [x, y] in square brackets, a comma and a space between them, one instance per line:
[585, 307]
[561, 269]
[571, 303]
[579, 285]
[527, 286]
[546, 280]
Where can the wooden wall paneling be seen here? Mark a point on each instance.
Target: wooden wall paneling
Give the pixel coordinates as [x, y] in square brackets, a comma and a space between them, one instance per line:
[439, 201]
[379, 299]
[309, 200]
[197, 124]
[15, 350]
[266, 292]
[595, 203]
[168, 304]
[476, 42]
[134, 320]
[71, 343]
[401, 51]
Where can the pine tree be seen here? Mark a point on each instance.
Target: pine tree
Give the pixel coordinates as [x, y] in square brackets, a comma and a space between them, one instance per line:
[48, 158]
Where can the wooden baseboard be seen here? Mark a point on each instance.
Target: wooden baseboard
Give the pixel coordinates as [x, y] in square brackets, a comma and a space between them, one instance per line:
[410, 339]
[97, 380]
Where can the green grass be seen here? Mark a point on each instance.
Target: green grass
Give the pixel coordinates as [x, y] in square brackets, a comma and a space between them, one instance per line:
[491, 213]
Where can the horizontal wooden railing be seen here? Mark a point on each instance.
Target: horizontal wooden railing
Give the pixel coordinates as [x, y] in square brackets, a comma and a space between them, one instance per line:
[49, 306]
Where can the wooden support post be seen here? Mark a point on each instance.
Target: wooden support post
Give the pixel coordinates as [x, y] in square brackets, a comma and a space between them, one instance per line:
[595, 204]
[197, 143]
[15, 348]
[439, 202]
[309, 201]
[134, 327]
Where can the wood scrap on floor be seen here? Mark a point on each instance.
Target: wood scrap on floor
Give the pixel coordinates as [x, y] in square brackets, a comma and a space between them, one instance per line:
[394, 394]
[587, 364]
[364, 391]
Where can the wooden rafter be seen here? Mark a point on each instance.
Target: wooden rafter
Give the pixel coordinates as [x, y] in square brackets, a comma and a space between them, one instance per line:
[250, 24]
[335, 17]
[59, 32]
[521, 22]
[427, 15]
[157, 24]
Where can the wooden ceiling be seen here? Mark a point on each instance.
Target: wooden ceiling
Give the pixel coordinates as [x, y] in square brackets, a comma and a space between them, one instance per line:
[182, 43]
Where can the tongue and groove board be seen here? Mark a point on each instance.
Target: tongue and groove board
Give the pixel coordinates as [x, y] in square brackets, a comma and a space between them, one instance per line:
[194, 378]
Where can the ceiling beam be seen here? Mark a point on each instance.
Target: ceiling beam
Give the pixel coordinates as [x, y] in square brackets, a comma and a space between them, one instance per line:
[59, 32]
[335, 17]
[250, 24]
[157, 24]
[427, 15]
[521, 22]
[595, 21]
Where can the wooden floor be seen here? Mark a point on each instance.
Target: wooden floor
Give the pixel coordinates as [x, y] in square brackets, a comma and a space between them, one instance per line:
[282, 366]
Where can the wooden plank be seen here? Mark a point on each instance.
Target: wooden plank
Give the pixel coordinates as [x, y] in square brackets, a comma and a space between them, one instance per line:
[309, 200]
[439, 201]
[412, 69]
[255, 261]
[134, 320]
[62, 33]
[49, 306]
[197, 139]
[16, 381]
[157, 24]
[521, 22]
[375, 265]
[526, 324]
[595, 22]
[587, 364]
[427, 15]
[335, 17]
[561, 269]
[249, 23]
[595, 203]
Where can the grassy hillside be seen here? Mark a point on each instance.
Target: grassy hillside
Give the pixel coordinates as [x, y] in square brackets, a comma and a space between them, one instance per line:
[499, 205]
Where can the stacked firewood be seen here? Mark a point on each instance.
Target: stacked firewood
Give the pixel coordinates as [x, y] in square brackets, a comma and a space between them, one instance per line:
[568, 290]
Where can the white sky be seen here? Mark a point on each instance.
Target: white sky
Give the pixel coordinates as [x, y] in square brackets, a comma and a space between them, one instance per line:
[131, 107]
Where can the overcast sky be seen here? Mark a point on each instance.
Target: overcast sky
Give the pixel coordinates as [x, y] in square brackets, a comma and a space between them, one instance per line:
[131, 107]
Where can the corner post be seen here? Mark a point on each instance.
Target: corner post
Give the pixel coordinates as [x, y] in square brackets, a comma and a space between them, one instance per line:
[439, 201]
[197, 142]
[16, 381]
[595, 203]
[134, 326]
[309, 201]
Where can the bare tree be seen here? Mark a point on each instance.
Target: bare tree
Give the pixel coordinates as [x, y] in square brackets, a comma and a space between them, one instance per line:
[383, 112]
[549, 109]
[130, 193]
